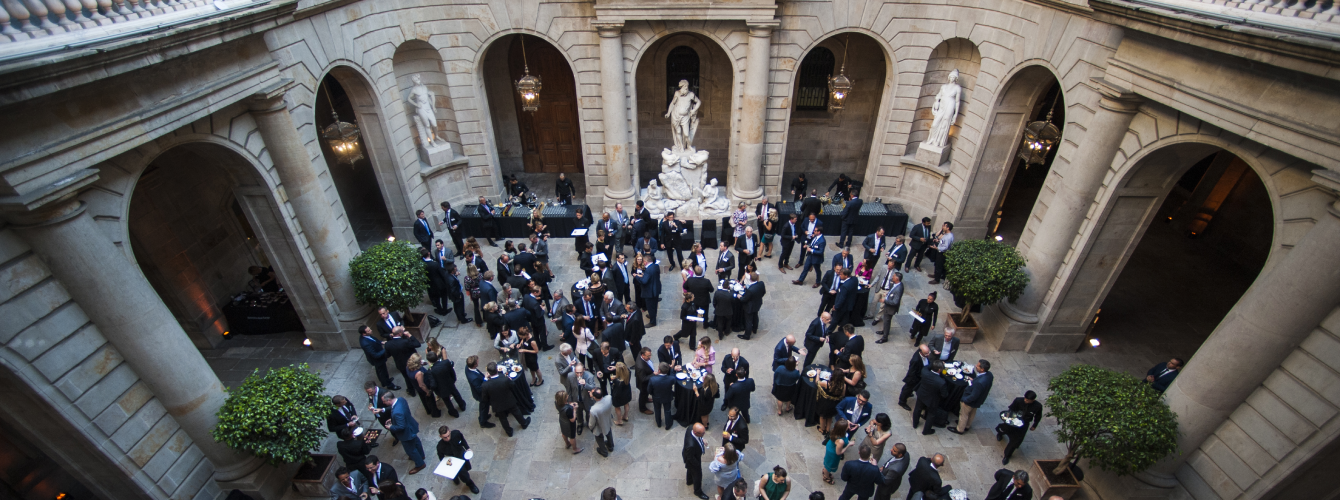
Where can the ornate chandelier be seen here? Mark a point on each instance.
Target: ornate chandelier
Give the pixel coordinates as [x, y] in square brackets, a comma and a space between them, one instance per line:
[342, 136]
[528, 86]
[1039, 137]
[839, 87]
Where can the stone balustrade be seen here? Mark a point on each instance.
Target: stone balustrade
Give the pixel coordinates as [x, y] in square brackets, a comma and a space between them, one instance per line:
[23, 20]
[1319, 10]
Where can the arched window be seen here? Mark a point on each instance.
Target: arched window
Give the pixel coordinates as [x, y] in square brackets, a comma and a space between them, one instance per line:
[681, 64]
[814, 73]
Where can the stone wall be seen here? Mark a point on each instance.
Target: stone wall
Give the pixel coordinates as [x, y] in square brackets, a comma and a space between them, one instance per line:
[716, 80]
[77, 384]
[839, 143]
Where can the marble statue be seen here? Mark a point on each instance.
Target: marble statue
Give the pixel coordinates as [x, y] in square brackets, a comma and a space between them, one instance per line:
[683, 115]
[712, 203]
[654, 199]
[945, 110]
[425, 114]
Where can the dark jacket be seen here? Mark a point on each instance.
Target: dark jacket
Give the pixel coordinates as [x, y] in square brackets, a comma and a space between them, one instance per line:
[871, 241]
[444, 372]
[353, 451]
[372, 349]
[938, 344]
[1161, 383]
[815, 334]
[454, 446]
[401, 349]
[811, 205]
[914, 367]
[476, 380]
[337, 420]
[976, 393]
[385, 329]
[423, 232]
[651, 281]
[932, 389]
[846, 296]
[1004, 488]
[925, 479]
[662, 387]
[861, 478]
[737, 394]
[893, 470]
[753, 297]
[701, 288]
[740, 432]
[672, 356]
[693, 451]
[781, 353]
[498, 395]
[723, 302]
[1030, 411]
[851, 211]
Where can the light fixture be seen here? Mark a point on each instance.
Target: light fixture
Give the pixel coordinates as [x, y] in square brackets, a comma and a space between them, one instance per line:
[1039, 137]
[528, 86]
[1094, 342]
[341, 136]
[839, 87]
[307, 343]
[391, 238]
[1000, 238]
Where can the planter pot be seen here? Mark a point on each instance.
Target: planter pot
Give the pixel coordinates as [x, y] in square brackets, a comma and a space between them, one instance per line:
[417, 325]
[1048, 484]
[315, 479]
[966, 332]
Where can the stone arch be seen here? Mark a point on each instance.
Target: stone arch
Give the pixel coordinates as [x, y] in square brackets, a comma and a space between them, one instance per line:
[719, 88]
[863, 122]
[995, 163]
[377, 147]
[253, 187]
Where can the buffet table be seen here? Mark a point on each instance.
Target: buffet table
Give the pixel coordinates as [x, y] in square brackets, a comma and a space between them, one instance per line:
[560, 221]
[259, 314]
[889, 216]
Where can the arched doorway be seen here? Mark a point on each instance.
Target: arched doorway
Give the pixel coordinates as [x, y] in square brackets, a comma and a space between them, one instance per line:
[534, 146]
[356, 182]
[195, 235]
[1182, 236]
[824, 144]
[711, 76]
[1004, 188]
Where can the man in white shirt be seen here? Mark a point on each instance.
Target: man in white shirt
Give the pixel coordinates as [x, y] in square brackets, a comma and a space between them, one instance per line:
[942, 244]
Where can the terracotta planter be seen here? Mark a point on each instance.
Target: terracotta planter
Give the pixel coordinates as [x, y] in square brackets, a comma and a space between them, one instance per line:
[417, 325]
[314, 479]
[1048, 484]
[966, 332]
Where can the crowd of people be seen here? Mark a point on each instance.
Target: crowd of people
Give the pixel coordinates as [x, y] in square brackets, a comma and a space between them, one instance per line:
[600, 323]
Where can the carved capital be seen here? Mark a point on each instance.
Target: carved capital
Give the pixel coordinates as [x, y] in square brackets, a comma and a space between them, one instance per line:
[1116, 98]
[271, 98]
[608, 29]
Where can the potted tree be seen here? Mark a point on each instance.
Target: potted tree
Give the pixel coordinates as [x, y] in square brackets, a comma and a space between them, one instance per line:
[280, 417]
[1111, 418]
[391, 275]
[982, 272]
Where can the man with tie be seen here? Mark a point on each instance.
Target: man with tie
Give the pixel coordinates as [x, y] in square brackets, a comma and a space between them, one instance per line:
[376, 356]
[378, 475]
[489, 220]
[733, 363]
[783, 350]
[612, 229]
[874, 246]
[754, 290]
[694, 448]
[723, 304]
[452, 219]
[623, 276]
[662, 386]
[829, 289]
[849, 215]
[893, 470]
[643, 369]
[890, 298]
[919, 239]
[1163, 374]
[650, 279]
[343, 416]
[898, 254]
[921, 358]
[814, 257]
[422, 231]
[670, 354]
[945, 348]
[747, 247]
[856, 410]
[925, 479]
[443, 254]
[437, 282]
[861, 475]
[633, 328]
[389, 320]
[844, 259]
[807, 227]
[476, 379]
[845, 300]
[349, 486]
[670, 240]
[405, 429]
[816, 336]
[725, 261]
[930, 393]
[625, 224]
[789, 232]
[736, 431]
[979, 386]
[1010, 486]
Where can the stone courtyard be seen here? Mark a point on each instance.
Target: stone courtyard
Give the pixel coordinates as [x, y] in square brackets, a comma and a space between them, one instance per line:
[646, 463]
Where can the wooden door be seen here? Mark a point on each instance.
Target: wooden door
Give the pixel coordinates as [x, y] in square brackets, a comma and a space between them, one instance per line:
[550, 136]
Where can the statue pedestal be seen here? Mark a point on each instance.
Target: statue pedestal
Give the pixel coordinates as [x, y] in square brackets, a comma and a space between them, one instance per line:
[439, 153]
[684, 188]
[932, 155]
[442, 167]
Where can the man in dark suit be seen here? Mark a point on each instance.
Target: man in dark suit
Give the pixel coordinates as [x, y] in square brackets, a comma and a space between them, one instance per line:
[814, 257]
[452, 444]
[811, 204]
[643, 370]
[422, 231]
[379, 475]
[723, 302]
[670, 353]
[919, 238]
[783, 350]
[921, 358]
[622, 273]
[1163, 374]
[836, 341]
[930, 393]
[789, 232]
[925, 479]
[845, 300]
[946, 347]
[733, 363]
[725, 261]
[1010, 486]
[647, 244]
[400, 348]
[488, 220]
[694, 448]
[754, 291]
[855, 346]
[437, 282]
[443, 372]
[815, 337]
[1029, 409]
[662, 386]
[849, 215]
[736, 430]
[702, 292]
[380, 412]
[670, 231]
[342, 416]
[874, 246]
[633, 328]
[738, 394]
[746, 246]
[456, 293]
[761, 210]
[893, 470]
[406, 430]
[979, 386]
[376, 356]
[452, 219]
[387, 321]
[861, 476]
[487, 292]
[498, 395]
[476, 379]
[504, 268]
[650, 279]
[828, 290]
[856, 410]
[844, 259]
[898, 253]
[526, 260]
[533, 303]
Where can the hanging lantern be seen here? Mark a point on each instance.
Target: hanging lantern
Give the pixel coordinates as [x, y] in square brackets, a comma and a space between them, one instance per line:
[839, 87]
[1039, 137]
[528, 87]
[342, 136]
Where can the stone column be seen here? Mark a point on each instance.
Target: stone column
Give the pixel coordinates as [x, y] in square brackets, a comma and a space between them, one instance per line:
[120, 301]
[754, 112]
[1281, 308]
[304, 191]
[618, 171]
[1077, 185]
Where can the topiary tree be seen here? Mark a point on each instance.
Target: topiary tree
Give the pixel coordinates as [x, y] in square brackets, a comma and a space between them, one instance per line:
[389, 274]
[279, 417]
[984, 272]
[1111, 418]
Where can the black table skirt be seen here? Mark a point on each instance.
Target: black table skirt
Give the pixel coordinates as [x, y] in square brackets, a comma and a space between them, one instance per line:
[519, 227]
[805, 401]
[525, 400]
[950, 404]
[249, 320]
[857, 317]
[894, 224]
[686, 405]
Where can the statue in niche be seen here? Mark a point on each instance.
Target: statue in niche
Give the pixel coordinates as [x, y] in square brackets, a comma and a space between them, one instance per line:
[712, 203]
[683, 115]
[425, 114]
[945, 111]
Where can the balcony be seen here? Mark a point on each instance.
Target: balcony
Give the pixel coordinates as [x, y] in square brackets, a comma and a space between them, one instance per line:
[28, 27]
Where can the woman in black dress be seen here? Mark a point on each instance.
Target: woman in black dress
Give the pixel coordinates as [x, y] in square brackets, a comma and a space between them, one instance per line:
[785, 381]
[827, 395]
[604, 245]
[567, 421]
[929, 312]
[530, 356]
[707, 397]
[583, 221]
[543, 277]
[584, 258]
[687, 328]
[622, 391]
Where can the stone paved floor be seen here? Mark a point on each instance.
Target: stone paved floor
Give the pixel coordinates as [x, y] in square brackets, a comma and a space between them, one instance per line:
[646, 462]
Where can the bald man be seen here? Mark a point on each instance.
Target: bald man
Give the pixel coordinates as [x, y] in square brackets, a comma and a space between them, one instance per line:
[694, 448]
[783, 351]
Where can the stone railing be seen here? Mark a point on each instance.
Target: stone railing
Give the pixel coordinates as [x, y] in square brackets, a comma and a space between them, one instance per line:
[1319, 10]
[22, 20]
